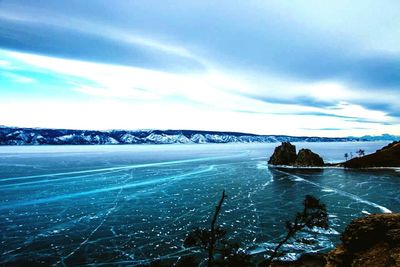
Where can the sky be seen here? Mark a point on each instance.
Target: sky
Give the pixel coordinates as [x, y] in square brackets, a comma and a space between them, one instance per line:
[267, 67]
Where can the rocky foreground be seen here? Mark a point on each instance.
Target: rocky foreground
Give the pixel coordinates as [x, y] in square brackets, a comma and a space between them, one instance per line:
[372, 241]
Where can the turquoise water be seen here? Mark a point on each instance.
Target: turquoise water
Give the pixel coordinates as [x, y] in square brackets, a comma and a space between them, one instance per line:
[74, 205]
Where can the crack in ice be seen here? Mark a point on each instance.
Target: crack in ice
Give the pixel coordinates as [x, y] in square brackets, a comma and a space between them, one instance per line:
[136, 166]
[18, 185]
[102, 190]
[62, 260]
[337, 191]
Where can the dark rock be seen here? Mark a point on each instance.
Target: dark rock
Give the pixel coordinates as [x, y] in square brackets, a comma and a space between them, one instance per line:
[307, 158]
[393, 236]
[285, 154]
[363, 232]
[369, 241]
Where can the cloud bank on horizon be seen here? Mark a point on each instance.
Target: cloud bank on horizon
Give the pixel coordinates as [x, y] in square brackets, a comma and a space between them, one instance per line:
[267, 67]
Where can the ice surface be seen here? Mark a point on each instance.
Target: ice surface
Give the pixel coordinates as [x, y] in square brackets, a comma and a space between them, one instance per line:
[131, 204]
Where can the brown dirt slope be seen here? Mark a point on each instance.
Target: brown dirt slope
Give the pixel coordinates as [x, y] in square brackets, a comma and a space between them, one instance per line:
[388, 156]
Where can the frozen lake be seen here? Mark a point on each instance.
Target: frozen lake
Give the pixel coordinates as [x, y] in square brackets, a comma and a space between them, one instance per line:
[71, 205]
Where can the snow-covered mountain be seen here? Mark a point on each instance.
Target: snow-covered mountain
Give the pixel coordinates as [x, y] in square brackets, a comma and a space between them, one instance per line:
[35, 136]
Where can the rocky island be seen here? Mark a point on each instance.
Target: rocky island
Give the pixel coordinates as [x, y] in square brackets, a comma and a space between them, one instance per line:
[285, 154]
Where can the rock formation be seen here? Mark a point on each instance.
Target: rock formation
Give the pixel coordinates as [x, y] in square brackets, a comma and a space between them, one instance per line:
[370, 241]
[285, 154]
[388, 156]
[307, 158]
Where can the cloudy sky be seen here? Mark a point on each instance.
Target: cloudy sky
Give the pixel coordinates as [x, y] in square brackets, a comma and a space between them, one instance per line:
[267, 67]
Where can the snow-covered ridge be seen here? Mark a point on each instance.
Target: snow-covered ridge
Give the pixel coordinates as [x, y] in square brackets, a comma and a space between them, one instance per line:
[35, 136]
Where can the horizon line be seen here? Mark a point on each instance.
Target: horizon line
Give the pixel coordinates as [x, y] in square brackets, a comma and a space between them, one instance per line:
[193, 130]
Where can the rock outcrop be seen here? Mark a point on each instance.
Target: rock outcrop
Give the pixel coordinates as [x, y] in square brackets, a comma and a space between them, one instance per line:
[370, 241]
[307, 158]
[388, 156]
[285, 154]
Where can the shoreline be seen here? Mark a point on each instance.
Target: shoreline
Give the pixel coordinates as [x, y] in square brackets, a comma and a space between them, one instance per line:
[331, 167]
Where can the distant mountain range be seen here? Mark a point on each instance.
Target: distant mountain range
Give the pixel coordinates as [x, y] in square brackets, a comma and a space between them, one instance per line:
[38, 136]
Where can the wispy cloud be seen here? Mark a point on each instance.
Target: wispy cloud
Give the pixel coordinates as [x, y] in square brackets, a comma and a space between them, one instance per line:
[276, 68]
[6, 65]
[17, 78]
[334, 129]
[203, 98]
[136, 49]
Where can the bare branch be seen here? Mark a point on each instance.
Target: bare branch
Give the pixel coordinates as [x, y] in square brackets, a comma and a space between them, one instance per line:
[212, 235]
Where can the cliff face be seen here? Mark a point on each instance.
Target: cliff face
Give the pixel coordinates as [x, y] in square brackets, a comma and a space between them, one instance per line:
[285, 154]
[307, 158]
[388, 156]
[370, 241]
